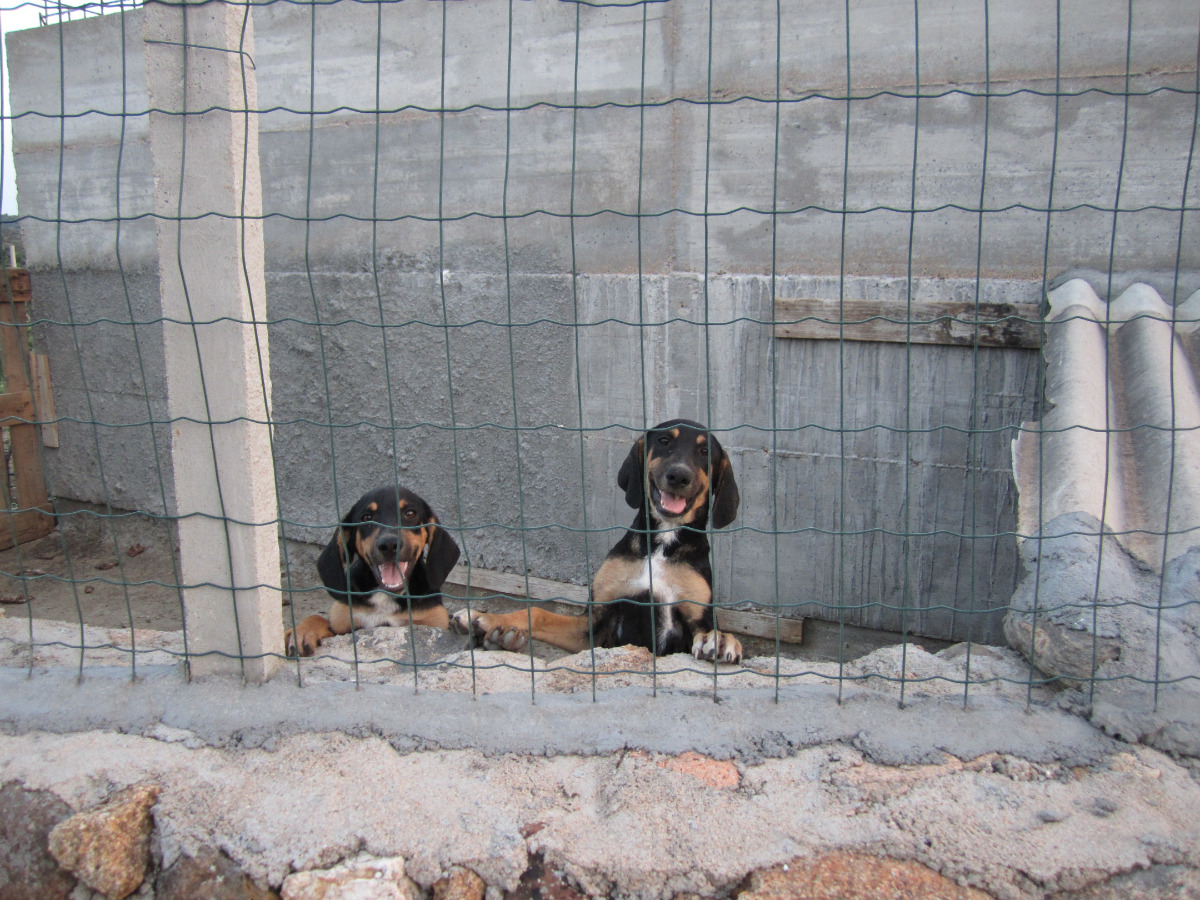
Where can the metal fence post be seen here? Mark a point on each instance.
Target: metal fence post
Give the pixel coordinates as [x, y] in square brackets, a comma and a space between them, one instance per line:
[208, 200]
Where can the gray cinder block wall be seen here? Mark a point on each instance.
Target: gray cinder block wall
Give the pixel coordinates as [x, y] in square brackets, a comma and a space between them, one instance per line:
[471, 302]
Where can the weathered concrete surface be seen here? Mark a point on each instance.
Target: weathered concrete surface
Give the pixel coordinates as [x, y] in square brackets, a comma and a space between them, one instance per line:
[384, 656]
[492, 701]
[630, 823]
[638, 793]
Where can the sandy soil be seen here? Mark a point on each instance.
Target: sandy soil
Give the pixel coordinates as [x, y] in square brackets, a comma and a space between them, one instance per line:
[115, 577]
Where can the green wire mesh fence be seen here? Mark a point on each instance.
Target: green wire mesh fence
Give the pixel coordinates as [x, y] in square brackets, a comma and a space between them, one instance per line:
[477, 249]
[50, 12]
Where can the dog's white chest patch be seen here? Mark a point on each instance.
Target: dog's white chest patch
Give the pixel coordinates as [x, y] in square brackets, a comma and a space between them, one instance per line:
[383, 602]
[375, 610]
[656, 579]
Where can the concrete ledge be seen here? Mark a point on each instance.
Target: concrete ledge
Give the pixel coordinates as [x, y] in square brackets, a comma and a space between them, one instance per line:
[746, 725]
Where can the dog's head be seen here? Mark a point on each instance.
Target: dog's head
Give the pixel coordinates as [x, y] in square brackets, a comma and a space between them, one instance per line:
[679, 471]
[395, 535]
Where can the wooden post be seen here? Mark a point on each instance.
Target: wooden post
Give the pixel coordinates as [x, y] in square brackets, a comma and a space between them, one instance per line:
[34, 516]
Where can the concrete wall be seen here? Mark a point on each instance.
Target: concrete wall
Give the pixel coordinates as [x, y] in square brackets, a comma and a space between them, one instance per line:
[449, 229]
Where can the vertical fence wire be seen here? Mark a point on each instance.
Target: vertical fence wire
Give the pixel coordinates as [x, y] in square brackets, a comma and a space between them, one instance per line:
[1172, 348]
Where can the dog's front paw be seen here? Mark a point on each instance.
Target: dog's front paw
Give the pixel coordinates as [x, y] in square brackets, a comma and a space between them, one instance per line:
[719, 646]
[500, 636]
[461, 622]
[491, 632]
[307, 636]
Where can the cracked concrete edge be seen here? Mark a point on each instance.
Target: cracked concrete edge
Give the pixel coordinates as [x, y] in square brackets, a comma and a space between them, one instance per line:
[747, 725]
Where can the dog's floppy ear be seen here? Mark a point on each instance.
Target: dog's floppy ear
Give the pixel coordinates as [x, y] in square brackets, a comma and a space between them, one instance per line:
[440, 556]
[337, 556]
[631, 479]
[725, 497]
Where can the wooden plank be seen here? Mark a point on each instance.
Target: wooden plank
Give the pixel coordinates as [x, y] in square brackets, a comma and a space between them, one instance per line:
[43, 395]
[12, 346]
[760, 625]
[6, 500]
[16, 407]
[956, 324]
[19, 284]
[26, 525]
[754, 624]
[35, 519]
[514, 585]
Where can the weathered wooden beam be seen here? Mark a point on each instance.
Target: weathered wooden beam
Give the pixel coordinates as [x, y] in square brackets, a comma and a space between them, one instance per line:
[19, 527]
[23, 439]
[19, 286]
[1009, 325]
[39, 368]
[16, 408]
[760, 625]
[514, 585]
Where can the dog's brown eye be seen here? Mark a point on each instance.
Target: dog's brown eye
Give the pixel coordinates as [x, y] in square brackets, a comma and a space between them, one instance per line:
[703, 451]
[367, 517]
[410, 514]
[664, 440]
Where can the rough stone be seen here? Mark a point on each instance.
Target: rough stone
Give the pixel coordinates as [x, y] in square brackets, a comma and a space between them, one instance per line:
[363, 878]
[459, 884]
[715, 773]
[386, 651]
[613, 824]
[27, 870]
[209, 875]
[1099, 615]
[108, 848]
[542, 882]
[1071, 654]
[1155, 883]
[854, 876]
[1061, 616]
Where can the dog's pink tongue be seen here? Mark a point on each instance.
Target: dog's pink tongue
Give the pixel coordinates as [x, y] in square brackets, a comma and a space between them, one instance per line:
[393, 576]
[672, 503]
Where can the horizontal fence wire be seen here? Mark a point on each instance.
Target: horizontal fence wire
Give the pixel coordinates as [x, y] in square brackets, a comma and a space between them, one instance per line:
[481, 249]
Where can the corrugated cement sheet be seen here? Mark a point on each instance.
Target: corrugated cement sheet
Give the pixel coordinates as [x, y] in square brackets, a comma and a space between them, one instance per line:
[1121, 441]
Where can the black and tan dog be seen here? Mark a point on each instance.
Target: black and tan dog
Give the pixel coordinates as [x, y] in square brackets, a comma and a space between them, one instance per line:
[385, 565]
[654, 589]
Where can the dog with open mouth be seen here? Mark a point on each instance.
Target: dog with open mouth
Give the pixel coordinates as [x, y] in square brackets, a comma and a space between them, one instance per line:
[385, 565]
[654, 588]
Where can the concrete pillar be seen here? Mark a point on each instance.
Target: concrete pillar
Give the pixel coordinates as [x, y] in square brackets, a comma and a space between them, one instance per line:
[198, 57]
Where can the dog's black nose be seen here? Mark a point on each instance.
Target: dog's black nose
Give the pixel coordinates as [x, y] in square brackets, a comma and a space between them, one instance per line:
[387, 544]
[678, 477]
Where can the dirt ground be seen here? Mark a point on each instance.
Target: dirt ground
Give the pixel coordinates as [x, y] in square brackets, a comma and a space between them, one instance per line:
[120, 573]
[111, 576]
